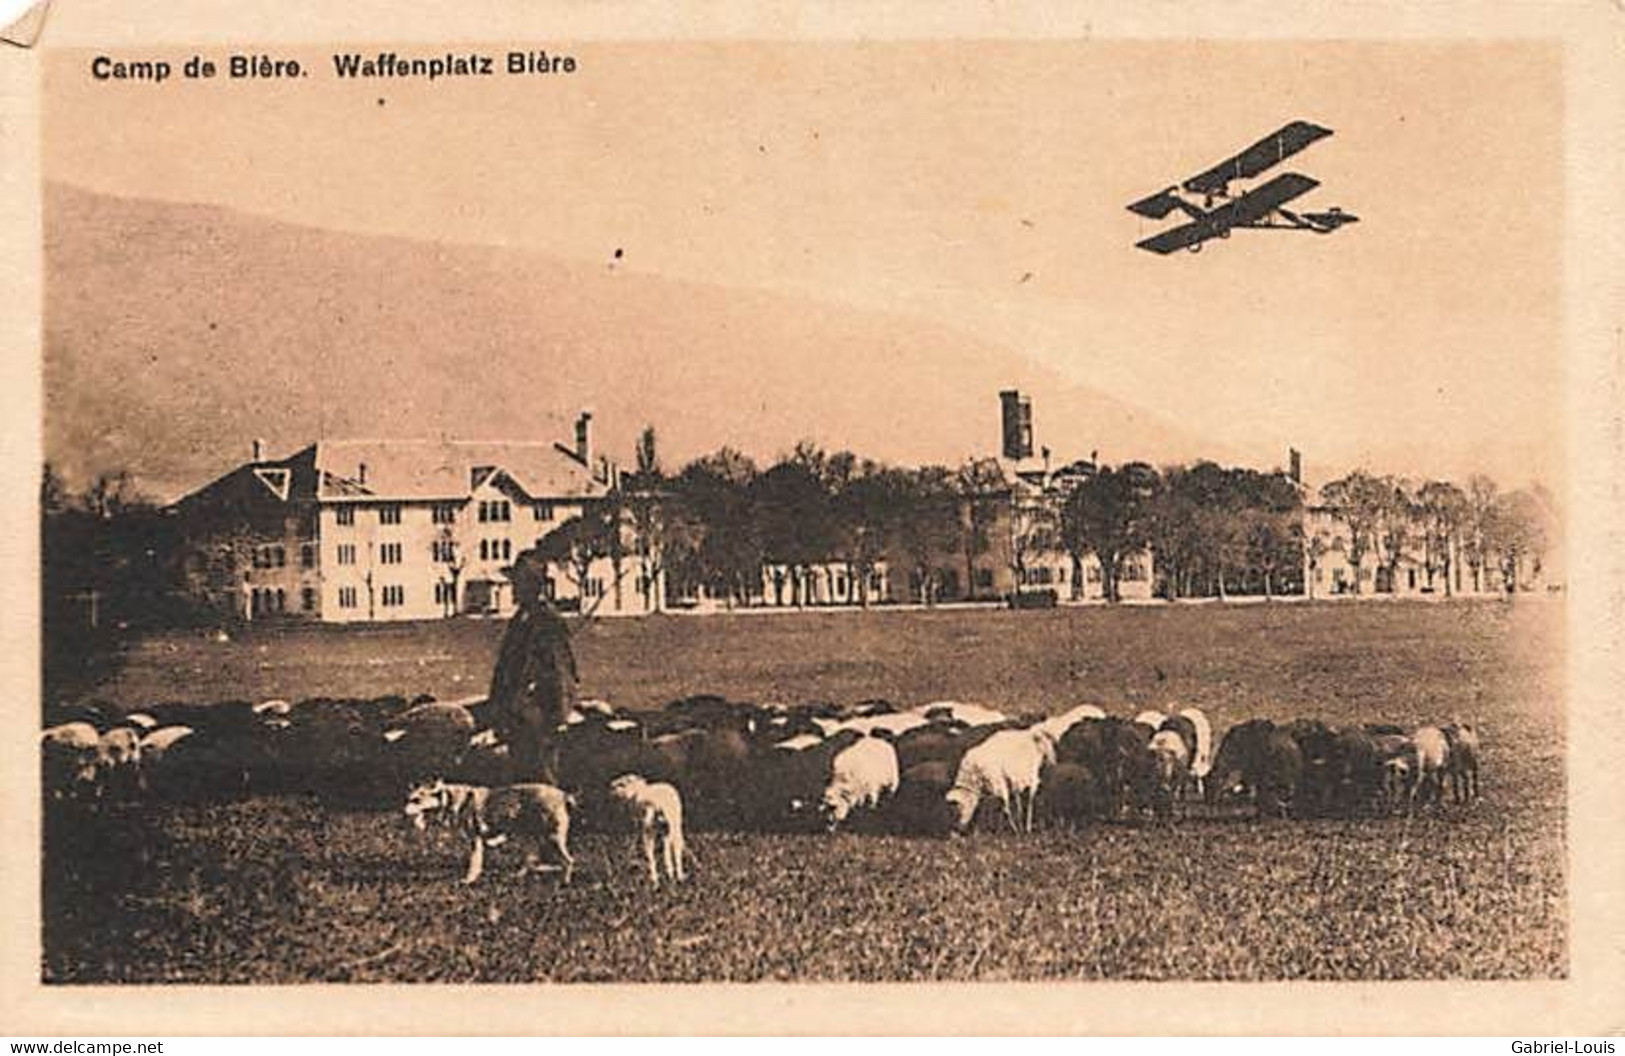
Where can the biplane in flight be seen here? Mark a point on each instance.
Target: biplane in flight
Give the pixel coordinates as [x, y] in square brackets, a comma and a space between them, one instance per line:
[1264, 206]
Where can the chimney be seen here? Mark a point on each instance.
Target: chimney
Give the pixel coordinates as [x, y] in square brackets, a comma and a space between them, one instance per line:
[1295, 461]
[259, 450]
[361, 472]
[584, 438]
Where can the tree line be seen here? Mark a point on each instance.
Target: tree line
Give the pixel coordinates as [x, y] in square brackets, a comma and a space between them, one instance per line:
[1214, 530]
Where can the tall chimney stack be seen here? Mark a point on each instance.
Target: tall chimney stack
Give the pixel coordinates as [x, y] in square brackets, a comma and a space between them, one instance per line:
[1295, 461]
[584, 438]
[1017, 413]
[361, 473]
[259, 450]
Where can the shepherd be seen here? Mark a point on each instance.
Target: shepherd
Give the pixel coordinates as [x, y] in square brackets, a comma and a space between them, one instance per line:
[533, 688]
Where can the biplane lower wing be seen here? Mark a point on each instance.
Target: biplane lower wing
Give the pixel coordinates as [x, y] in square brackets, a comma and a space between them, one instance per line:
[1249, 209]
[1158, 205]
[1269, 151]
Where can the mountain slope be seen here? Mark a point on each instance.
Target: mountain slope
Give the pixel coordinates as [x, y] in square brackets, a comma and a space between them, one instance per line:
[175, 333]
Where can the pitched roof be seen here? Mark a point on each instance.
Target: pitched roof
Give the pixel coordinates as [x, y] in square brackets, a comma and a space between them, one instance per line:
[448, 469]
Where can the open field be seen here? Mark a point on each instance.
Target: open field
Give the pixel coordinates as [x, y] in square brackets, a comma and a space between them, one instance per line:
[265, 890]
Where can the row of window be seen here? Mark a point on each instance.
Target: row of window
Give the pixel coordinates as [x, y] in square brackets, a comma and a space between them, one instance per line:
[496, 549]
[489, 511]
[393, 595]
[265, 601]
[275, 556]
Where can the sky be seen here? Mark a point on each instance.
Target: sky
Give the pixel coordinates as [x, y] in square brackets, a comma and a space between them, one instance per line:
[978, 185]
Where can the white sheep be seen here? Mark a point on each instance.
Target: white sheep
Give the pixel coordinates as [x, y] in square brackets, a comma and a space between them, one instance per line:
[71, 752]
[1202, 759]
[860, 776]
[1057, 725]
[1006, 766]
[657, 811]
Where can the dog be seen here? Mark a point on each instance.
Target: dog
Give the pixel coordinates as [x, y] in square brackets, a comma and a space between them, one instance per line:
[489, 816]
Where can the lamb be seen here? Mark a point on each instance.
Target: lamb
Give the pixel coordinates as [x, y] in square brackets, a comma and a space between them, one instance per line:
[1432, 758]
[1007, 767]
[1462, 764]
[489, 815]
[657, 811]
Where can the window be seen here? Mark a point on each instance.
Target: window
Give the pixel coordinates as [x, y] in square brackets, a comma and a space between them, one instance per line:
[593, 588]
[307, 599]
[394, 595]
[281, 600]
[307, 555]
[445, 593]
[485, 550]
[444, 513]
[444, 551]
[346, 553]
[496, 510]
[344, 515]
[543, 511]
[389, 554]
[507, 549]
[390, 514]
[346, 597]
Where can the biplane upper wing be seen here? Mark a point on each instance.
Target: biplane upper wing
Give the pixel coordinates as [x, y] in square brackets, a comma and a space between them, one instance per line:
[1250, 208]
[1271, 150]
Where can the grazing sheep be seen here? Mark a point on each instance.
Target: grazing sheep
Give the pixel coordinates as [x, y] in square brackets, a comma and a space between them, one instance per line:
[70, 755]
[861, 776]
[1202, 755]
[1169, 772]
[657, 811]
[1117, 752]
[953, 710]
[428, 739]
[919, 805]
[1398, 773]
[1057, 725]
[1152, 718]
[1432, 757]
[155, 748]
[1006, 766]
[1259, 758]
[891, 723]
[1066, 794]
[143, 722]
[488, 816]
[118, 759]
[1462, 764]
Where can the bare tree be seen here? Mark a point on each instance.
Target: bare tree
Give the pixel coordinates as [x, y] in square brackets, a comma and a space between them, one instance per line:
[1359, 501]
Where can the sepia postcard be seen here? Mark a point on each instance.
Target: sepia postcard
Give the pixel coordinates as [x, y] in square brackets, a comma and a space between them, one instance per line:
[900, 519]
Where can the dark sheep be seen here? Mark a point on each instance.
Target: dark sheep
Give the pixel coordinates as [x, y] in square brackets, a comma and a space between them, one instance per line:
[1259, 758]
[919, 807]
[1066, 795]
[1117, 753]
[789, 784]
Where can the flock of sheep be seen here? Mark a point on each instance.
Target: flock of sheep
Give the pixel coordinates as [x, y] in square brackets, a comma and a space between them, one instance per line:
[936, 768]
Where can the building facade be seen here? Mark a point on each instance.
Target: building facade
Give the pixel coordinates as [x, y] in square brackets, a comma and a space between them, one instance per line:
[359, 531]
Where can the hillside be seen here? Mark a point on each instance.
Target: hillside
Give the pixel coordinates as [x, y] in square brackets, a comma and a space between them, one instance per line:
[175, 333]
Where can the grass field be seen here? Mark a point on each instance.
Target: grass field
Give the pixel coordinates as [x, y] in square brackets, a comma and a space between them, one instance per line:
[275, 890]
